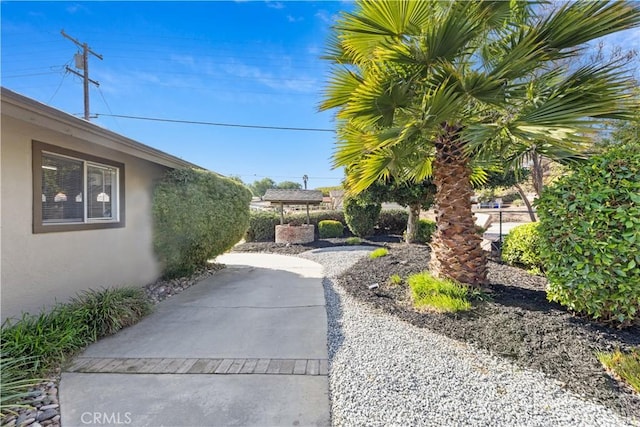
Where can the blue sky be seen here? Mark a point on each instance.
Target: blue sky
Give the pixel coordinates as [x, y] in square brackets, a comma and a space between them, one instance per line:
[242, 62]
[254, 63]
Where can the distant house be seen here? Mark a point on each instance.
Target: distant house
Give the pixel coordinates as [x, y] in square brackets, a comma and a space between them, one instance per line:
[75, 206]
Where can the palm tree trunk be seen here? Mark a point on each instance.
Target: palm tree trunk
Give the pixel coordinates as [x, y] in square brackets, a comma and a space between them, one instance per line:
[456, 250]
[537, 174]
[412, 223]
[527, 203]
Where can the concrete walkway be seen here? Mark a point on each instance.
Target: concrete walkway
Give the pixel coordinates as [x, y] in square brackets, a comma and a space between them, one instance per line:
[245, 347]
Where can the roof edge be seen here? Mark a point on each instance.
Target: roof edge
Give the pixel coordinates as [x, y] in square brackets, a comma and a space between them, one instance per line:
[130, 146]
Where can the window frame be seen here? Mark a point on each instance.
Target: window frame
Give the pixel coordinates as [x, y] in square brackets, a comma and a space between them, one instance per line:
[38, 150]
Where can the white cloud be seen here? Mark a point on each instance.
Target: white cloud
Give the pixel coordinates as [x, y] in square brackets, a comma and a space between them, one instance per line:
[323, 15]
[298, 83]
[292, 18]
[75, 8]
[274, 4]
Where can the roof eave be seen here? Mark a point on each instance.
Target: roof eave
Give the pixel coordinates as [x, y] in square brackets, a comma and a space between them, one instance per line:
[29, 110]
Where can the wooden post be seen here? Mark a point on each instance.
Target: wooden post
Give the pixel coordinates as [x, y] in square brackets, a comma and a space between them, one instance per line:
[281, 213]
[308, 218]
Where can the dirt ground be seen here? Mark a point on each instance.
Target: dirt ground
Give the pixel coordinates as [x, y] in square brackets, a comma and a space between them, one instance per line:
[517, 322]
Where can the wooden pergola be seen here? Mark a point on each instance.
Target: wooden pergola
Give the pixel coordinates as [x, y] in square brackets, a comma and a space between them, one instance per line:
[293, 197]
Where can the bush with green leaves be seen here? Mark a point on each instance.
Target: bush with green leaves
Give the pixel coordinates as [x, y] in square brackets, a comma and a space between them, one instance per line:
[197, 216]
[393, 221]
[521, 247]
[361, 215]
[590, 230]
[262, 225]
[425, 231]
[330, 228]
[314, 218]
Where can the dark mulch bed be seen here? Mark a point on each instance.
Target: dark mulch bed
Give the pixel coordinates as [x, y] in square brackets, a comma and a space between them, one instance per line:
[517, 323]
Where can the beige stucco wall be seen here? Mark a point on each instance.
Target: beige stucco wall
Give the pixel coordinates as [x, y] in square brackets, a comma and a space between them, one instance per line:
[37, 270]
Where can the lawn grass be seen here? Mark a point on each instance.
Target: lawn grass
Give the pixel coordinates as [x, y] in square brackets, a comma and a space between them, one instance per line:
[441, 295]
[380, 252]
[625, 366]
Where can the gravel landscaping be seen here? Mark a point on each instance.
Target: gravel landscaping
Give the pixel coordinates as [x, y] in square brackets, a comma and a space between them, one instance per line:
[514, 360]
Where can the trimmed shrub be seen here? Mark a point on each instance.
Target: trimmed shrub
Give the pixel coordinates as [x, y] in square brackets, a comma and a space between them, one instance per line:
[521, 247]
[197, 216]
[392, 222]
[262, 226]
[330, 228]
[314, 218]
[353, 241]
[590, 230]
[426, 228]
[361, 216]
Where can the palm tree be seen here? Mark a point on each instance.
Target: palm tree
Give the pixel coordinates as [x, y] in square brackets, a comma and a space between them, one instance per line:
[471, 80]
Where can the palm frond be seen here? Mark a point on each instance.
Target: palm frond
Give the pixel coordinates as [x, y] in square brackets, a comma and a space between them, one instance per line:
[340, 88]
[576, 23]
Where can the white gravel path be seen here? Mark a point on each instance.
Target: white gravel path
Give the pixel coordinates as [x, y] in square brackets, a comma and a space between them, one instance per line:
[385, 372]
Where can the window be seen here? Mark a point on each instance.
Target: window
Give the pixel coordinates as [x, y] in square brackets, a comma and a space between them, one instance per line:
[75, 191]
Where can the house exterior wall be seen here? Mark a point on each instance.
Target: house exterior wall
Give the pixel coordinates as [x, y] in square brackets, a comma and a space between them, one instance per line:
[38, 270]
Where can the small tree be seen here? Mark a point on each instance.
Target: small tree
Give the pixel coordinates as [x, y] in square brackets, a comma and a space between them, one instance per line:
[510, 178]
[361, 215]
[416, 196]
[289, 185]
[258, 188]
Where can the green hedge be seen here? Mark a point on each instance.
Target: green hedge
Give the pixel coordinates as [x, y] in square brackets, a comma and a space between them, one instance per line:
[521, 247]
[330, 228]
[361, 215]
[426, 228]
[262, 224]
[590, 230]
[392, 222]
[197, 216]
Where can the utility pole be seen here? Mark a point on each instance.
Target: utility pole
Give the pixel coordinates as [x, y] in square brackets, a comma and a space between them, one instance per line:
[82, 62]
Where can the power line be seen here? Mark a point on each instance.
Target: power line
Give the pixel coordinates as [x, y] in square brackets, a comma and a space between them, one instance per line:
[192, 122]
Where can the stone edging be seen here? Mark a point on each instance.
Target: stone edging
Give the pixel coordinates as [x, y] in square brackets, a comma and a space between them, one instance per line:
[198, 366]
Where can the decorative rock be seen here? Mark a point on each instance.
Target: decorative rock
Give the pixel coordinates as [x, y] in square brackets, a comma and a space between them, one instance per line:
[51, 406]
[48, 414]
[24, 421]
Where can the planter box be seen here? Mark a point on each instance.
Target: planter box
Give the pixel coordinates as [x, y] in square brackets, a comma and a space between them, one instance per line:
[295, 233]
